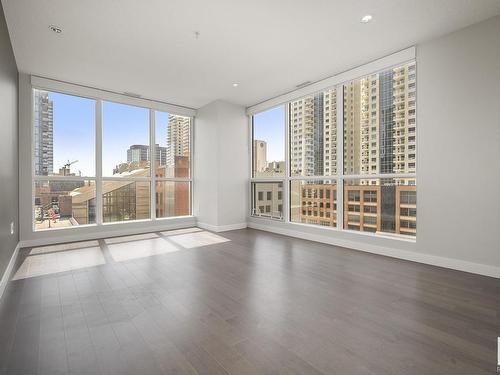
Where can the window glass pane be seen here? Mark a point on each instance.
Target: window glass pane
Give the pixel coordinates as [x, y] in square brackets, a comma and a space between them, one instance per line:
[125, 200]
[173, 145]
[314, 202]
[125, 140]
[267, 199]
[380, 122]
[313, 134]
[387, 205]
[269, 143]
[172, 198]
[63, 134]
[60, 204]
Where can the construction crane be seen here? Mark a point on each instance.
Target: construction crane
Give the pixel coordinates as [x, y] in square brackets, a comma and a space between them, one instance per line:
[68, 164]
[65, 171]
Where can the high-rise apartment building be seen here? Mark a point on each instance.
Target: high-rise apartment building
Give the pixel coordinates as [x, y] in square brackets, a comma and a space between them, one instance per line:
[379, 137]
[404, 94]
[379, 123]
[43, 133]
[306, 135]
[178, 138]
[318, 135]
[379, 127]
[352, 121]
[330, 132]
[367, 114]
[385, 124]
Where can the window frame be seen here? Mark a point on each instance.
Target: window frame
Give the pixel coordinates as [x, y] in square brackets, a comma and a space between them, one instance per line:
[152, 172]
[269, 179]
[100, 96]
[336, 82]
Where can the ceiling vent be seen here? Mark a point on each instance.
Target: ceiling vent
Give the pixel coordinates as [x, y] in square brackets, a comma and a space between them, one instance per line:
[135, 95]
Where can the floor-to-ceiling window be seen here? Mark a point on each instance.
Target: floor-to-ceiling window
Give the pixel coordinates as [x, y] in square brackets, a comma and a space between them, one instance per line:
[173, 165]
[64, 160]
[351, 155]
[312, 129]
[92, 162]
[268, 163]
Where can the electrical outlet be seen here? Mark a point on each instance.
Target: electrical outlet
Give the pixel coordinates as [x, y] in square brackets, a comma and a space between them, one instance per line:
[12, 227]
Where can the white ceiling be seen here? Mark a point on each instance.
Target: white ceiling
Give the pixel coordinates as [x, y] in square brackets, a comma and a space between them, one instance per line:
[268, 47]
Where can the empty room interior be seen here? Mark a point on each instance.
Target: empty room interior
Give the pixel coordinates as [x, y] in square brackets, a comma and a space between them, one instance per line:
[250, 187]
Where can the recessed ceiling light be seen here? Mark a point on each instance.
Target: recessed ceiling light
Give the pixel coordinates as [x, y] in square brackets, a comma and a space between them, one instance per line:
[236, 84]
[366, 18]
[55, 29]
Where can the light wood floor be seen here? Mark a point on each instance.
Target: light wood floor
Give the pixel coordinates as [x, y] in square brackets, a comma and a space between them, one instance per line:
[241, 302]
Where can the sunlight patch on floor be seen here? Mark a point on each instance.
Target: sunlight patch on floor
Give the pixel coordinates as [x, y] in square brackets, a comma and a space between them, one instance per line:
[59, 261]
[46, 260]
[197, 239]
[140, 249]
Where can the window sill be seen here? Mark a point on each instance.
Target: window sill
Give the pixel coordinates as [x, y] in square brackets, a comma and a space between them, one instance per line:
[295, 225]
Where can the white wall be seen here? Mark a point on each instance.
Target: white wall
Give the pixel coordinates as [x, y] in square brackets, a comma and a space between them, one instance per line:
[206, 167]
[9, 198]
[221, 172]
[458, 177]
[458, 114]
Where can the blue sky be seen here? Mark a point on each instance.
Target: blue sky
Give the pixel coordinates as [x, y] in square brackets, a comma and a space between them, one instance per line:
[269, 126]
[74, 133]
[122, 126]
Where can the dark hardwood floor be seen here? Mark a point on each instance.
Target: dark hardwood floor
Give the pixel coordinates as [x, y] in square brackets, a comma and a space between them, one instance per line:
[259, 303]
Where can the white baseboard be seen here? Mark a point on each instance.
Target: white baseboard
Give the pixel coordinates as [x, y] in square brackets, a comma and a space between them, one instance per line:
[455, 264]
[9, 269]
[221, 228]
